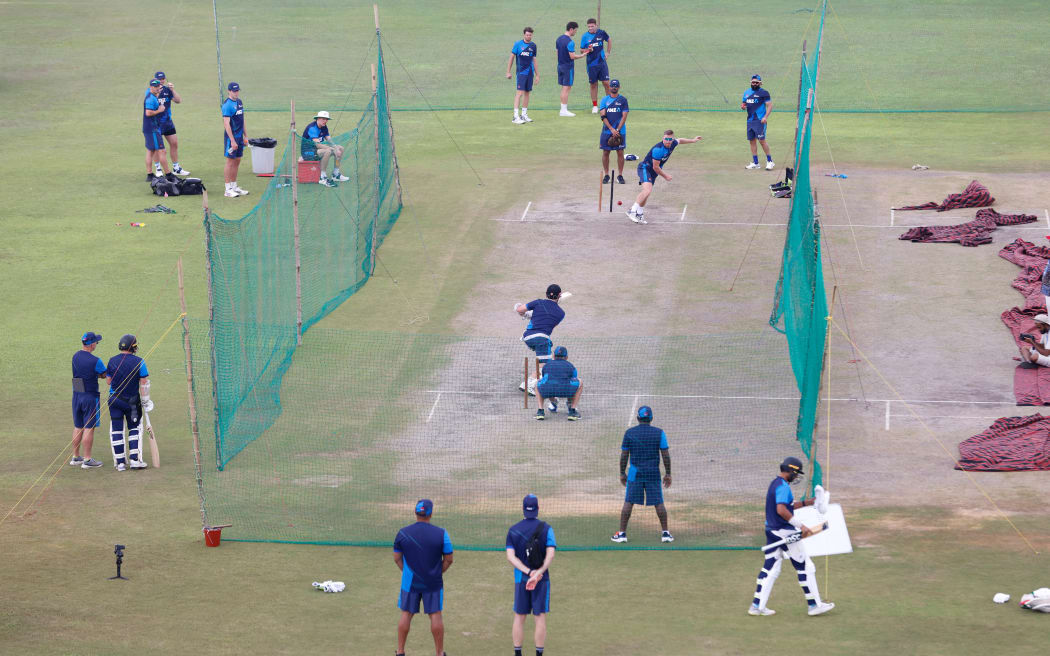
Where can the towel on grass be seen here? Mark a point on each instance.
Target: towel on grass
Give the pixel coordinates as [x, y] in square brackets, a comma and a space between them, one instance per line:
[1009, 444]
[972, 233]
[975, 195]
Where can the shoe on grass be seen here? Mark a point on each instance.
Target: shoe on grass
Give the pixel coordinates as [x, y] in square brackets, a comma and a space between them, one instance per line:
[90, 463]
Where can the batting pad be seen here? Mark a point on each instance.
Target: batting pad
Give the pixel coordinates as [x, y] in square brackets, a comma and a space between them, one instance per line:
[835, 540]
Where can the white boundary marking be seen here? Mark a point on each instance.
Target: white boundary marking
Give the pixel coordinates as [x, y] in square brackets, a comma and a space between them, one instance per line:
[684, 207]
[434, 407]
[634, 406]
[526, 210]
[891, 217]
[887, 415]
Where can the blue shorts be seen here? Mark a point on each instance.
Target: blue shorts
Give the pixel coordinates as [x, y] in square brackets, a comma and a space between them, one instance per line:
[646, 493]
[646, 174]
[598, 73]
[552, 390]
[167, 129]
[153, 140]
[525, 81]
[536, 601]
[237, 154]
[565, 73]
[602, 145]
[541, 345]
[756, 130]
[432, 601]
[86, 410]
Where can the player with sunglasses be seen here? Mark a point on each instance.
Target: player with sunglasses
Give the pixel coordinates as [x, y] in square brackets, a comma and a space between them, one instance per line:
[652, 166]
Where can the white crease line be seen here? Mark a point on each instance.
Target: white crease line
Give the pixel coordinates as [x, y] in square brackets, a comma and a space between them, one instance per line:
[526, 210]
[634, 406]
[1047, 211]
[944, 417]
[891, 217]
[887, 415]
[1004, 402]
[433, 407]
[752, 225]
[684, 207]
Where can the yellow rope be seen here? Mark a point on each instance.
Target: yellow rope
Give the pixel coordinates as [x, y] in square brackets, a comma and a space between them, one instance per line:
[969, 475]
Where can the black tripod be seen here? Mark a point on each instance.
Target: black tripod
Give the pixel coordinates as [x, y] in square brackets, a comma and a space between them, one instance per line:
[118, 549]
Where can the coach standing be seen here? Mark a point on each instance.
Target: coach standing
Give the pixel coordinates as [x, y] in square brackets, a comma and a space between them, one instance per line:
[152, 109]
[423, 552]
[567, 57]
[169, 95]
[643, 446]
[757, 103]
[87, 369]
[530, 550]
[234, 138]
[614, 112]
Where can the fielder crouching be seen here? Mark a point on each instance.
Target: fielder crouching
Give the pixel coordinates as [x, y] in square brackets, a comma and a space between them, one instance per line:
[780, 523]
[128, 381]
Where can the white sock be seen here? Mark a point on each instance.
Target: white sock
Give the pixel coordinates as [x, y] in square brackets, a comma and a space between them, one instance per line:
[176, 166]
[635, 208]
[564, 107]
[335, 172]
[229, 186]
[515, 112]
[524, 111]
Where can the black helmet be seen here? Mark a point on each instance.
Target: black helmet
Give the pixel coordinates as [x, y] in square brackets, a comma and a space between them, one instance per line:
[553, 292]
[793, 466]
[128, 343]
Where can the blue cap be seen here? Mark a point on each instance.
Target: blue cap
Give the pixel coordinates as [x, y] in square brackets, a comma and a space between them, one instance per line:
[614, 83]
[561, 352]
[233, 86]
[154, 83]
[424, 507]
[530, 506]
[645, 413]
[756, 76]
[89, 338]
[159, 75]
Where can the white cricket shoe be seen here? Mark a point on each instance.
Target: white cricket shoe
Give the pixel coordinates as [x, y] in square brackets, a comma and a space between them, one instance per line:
[594, 110]
[755, 610]
[121, 467]
[532, 386]
[230, 193]
[769, 165]
[137, 464]
[525, 117]
[240, 192]
[565, 112]
[636, 217]
[666, 537]
[821, 608]
[178, 170]
[517, 120]
[340, 177]
[753, 165]
[619, 536]
[76, 461]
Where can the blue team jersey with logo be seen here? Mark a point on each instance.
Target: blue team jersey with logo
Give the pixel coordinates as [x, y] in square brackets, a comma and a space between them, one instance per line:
[166, 94]
[564, 46]
[596, 42]
[755, 100]
[779, 492]
[546, 314]
[518, 539]
[525, 54]
[150, 123]
[659, 153]
[235, 110]
[125, 370]
[644, 443]
[559, 371]
[313, 131]
[88, 367]
[422, 544]
[615, 109]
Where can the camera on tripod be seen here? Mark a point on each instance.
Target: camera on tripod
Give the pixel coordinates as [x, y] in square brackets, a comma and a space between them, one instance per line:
[118, 550]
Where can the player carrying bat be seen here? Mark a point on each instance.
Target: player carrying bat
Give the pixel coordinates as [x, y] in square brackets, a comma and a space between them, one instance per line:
[782, 523]
[543, 315]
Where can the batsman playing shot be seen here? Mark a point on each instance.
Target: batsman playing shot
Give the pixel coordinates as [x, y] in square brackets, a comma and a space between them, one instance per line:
[543, 316]
[780, 524]
[651, 167]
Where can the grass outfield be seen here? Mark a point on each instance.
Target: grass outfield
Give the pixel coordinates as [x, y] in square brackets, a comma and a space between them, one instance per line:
[920, 581]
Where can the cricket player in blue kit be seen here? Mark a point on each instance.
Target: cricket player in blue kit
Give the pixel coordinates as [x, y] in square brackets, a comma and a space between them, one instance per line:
[532, 586]
[316, 146]
[757, 103]
[597, 40]
[543, 314]
[169, 95]
[524, 51]
[652, 166]
[423, 553]
[567, 57]
[780, 523]
[234, 139]
[128, 381]
[87, 369]
[152, 109]
[614, 110]
[559, 380]
[644, 446]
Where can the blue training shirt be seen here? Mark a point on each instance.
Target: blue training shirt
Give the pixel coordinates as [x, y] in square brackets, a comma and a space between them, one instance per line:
[644, 443]
[235, 110]
[755, 100]
[518, 539]
[313, 131]
[166, 94]
[149, 123]
[559, 371]
[546, 314]
[615, 109]
[124, 371]
[525, 55]
[564, 45]
[659, 153]
[596, 42]
[88, 367]
[423, 545]
[779, 492]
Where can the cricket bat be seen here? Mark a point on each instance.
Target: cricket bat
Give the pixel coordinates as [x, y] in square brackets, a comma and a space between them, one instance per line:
[154, 451]
[794, 537]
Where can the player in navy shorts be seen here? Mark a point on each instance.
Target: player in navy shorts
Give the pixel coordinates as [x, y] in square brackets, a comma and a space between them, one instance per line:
[532, 581]
[543, 315]
[152, 109]
[652, 166]
[169, 95]
[757, 103]
[423, 553]
[560, 380]
[597, 68]
[524, 51]
[614, 110]
[567, 57]
[643, 447]
[234, 139]
[87, 369]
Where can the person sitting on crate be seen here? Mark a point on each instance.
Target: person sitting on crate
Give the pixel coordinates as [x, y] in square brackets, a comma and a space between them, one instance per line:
[317, 147]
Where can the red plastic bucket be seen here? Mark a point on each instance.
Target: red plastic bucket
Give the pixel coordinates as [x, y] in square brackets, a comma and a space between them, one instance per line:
[212, 537]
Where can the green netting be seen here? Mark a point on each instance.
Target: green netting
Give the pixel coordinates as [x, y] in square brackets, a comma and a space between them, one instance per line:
[800, 303]
[252, 268]
[371, 422]
[687, 55]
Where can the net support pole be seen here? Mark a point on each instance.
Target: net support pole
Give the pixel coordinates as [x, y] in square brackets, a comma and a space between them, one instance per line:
[209, 244]
[194, 426]
[599, 18]
[526, 382]
[390, 122]
[375, 137]
[295, 224]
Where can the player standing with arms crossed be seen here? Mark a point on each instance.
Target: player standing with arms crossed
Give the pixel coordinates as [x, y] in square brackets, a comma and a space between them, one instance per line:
[644, 446]
[234, 139]
[567, 57]
[544, 314]
[780, 523]
[652, 166]
[757, 103]
[597, 40]
[614, 112]
[525, 51]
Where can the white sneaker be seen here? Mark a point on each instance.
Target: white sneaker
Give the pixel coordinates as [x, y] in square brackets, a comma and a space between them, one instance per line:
[619, 536]
[137, 464]
[769, 165]
[240, 192]
[76, 460]
[525, 117]
[594, 109]
[178, 170]
[821, 608]
[666, 537]
[753, 165]
[565, 112]
[755, 610]
[636, 217]
[157, 171]
[230, 193]
[340, 177]
[517, 120]
[532, 386]
[121, 467]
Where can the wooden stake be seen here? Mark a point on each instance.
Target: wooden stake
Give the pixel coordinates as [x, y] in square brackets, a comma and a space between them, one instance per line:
[601, 189]
[295, 224]
[194, 426]
[526, 382]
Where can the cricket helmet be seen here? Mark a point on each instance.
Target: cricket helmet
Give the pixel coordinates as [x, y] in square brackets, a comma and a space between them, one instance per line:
[553, 292]
[128, 343]
[793, 465]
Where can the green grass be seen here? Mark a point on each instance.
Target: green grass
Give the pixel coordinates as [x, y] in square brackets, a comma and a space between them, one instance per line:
[73, 75]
